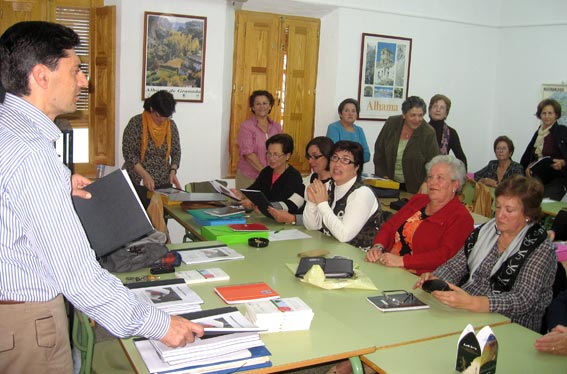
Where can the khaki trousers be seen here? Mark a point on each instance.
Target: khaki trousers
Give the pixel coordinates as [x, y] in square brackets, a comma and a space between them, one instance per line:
[34, 338]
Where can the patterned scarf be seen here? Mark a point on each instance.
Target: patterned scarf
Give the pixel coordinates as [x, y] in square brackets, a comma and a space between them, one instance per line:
[444, 148]
[538, 145]
[158, 133]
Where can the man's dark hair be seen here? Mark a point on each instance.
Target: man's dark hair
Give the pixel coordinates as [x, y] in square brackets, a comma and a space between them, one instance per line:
[162, 102]
[27, 44]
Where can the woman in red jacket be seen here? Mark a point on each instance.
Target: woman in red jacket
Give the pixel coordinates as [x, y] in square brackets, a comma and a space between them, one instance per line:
[431, 227]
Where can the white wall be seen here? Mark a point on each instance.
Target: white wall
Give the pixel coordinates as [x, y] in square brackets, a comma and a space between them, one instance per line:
[490, 57]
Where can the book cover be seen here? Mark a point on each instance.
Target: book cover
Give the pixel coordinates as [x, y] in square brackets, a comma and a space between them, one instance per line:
[224, 190]
[114, 216]
[477, 353]
[332, 267]
[396, 302]
[259, 199]
[243, 293]
[202, 275]
[249, 227]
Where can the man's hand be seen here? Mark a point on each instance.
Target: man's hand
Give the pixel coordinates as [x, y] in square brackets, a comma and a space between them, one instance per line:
[78, 182]
[181, 331]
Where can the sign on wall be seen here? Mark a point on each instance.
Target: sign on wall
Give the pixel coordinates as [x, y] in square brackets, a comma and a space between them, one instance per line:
[384, 75]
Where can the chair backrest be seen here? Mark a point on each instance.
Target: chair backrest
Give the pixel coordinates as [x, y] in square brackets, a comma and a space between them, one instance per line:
[202, 187]
[83, 340]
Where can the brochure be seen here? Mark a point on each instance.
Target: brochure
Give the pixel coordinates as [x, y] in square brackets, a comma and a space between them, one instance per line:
[477, 353]
[396, 301]
[202, 275]
[209, 254]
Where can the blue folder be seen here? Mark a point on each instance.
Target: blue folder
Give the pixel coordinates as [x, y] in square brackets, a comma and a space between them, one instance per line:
[205, 219]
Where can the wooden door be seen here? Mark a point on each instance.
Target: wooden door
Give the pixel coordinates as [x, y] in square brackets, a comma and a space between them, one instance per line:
[14, 11]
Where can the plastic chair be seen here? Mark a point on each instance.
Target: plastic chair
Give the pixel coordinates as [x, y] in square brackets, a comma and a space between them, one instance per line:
[100, 358]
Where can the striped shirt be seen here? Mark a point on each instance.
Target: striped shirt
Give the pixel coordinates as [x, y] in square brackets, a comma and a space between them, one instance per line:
[44, 251]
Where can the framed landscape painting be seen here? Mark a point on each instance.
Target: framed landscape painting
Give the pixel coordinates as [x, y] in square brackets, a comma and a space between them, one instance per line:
[174, 55]
[384, 75]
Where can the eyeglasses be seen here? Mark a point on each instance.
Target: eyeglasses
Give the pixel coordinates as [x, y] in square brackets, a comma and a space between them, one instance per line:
[274, 155]
[397, 297]
[342, 160]
[312, 157]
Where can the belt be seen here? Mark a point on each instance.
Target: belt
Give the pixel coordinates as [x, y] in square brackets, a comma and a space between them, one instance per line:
[10, 302]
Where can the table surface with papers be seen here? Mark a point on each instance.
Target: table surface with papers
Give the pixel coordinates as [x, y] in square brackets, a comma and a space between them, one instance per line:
[345, 323]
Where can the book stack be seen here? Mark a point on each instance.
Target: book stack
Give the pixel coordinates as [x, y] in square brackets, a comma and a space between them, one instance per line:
[204, 218]
[172, 296]
[202, 275]
[209, 254]
[237, 348]
[289, 314]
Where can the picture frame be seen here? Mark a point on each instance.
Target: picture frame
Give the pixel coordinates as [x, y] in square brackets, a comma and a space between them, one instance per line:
[174, 55]
[384, 75]
[557, 92]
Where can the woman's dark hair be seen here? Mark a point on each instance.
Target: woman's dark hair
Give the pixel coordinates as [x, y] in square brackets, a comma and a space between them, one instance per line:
[257, 93]
[438, 97]
[325, 146]
[528, 190]
[27, 44]
[162, 102]
[284, 139]
[507, 140]
[413, 102]
[355, 149]
[349, 101]
[554, 103]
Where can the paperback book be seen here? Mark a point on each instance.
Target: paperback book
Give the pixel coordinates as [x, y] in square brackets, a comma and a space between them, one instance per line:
[209, 254]
[477, 353]
[202, 275]
[172, 296]
[244, 293]
[396, 301]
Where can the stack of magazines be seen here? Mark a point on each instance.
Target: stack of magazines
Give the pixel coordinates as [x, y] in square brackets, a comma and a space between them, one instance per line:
[172, 296]
[289, 314]
[237, 348]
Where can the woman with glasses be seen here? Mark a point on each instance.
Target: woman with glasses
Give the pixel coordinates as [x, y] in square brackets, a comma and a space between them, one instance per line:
[431, 227]
[405, 144]
[150, 146]
[345, 129]
[501, 168]
[317, 153]
[280, 182]
[447, 137]
[252, 137]
[343, 207]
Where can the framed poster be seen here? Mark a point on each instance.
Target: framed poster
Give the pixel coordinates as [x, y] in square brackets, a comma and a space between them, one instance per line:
[384, 75]
[559, 93]
[174, 55]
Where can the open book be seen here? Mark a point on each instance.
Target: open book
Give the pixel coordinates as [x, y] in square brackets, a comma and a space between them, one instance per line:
[224, 190]
[396, 300]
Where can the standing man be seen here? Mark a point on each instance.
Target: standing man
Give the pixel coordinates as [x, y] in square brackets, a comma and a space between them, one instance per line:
[44, 252]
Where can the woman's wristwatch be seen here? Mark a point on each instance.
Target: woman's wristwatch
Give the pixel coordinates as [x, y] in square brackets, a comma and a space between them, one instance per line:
[378, 246]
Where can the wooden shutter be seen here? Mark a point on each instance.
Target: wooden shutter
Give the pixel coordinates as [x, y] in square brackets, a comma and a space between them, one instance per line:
[14, 11]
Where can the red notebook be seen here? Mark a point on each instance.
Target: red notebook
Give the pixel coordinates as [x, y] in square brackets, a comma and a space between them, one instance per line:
[249, 227]
[243, 293]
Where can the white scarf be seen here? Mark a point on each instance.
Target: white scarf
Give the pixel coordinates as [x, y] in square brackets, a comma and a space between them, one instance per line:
[538, 145]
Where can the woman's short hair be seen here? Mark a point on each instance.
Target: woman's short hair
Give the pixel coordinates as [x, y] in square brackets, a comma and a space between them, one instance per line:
[257, 93]
[438, 97]
[554, 103]
[349, 101]
[458, 170]
[507, 140]
[325, 146]
[161, 102]
[413, 102]
[355, 149]
[528, 190]
[284, 139]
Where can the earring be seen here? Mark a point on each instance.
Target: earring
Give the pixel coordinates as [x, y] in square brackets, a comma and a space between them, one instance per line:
[527, 220]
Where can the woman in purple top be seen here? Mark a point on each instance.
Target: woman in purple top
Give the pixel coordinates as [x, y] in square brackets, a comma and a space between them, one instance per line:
[252, 138]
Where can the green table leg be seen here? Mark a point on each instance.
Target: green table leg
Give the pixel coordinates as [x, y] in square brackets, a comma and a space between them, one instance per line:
[356, 365]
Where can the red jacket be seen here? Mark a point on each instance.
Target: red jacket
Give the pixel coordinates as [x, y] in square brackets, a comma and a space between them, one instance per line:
[436, 239]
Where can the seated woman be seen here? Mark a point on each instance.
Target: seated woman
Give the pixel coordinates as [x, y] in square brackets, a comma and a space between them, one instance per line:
[317, 153]
[280, 182]
[447, 137]
[508, 264]
[431, 227]
[343, 207]
[501, 168]
[405, 144]
[549, 140]
[345, 129]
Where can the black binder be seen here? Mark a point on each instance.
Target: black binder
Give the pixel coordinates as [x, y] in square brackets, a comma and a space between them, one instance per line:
[336, 267]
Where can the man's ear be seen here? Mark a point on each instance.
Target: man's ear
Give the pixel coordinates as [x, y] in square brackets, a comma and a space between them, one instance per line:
[40, 75]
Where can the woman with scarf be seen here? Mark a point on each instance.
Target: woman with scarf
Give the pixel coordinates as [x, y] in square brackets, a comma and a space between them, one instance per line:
[447, 137]
[507, 265]
[549, 140]
[150, 146]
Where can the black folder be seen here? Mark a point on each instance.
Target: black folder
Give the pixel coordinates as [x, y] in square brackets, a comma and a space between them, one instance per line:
[114, 216]
[259, 199]
[336, 267]
[542, 169]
